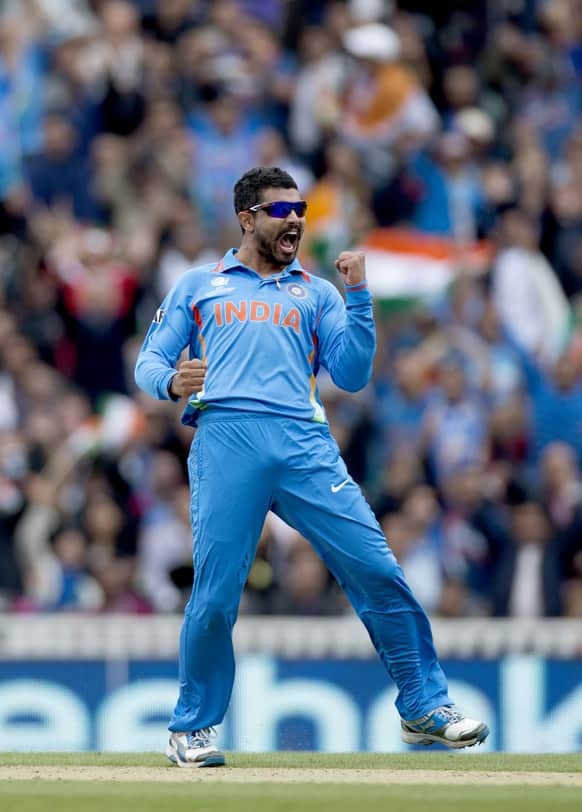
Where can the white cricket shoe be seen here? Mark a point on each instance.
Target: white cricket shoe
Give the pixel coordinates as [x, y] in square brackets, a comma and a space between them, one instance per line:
[445, 725]
[194, 749]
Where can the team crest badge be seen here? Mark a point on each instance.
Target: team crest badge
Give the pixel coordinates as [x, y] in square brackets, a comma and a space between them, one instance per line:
[298, 291]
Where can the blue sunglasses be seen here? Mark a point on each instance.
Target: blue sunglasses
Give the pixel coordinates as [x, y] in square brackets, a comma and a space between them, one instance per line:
[281, 208]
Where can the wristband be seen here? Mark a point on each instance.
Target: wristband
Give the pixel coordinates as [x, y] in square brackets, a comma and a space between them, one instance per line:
[358, 286]
[171, 395]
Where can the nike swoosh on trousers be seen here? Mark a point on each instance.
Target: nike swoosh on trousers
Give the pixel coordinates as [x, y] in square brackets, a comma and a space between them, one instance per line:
[336, 488]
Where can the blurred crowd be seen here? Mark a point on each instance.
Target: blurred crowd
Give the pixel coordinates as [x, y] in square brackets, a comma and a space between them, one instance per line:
[123, 126]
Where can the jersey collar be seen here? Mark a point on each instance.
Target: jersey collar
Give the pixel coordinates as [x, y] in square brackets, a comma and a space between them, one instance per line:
[230, 261]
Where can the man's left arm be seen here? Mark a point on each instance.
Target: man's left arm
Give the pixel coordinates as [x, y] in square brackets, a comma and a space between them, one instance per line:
[345, 332]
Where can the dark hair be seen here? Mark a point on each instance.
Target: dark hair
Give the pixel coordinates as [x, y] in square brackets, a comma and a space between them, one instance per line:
[248, 188]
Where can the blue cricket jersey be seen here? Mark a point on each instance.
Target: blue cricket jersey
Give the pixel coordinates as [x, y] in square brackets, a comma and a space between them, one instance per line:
[263, 338]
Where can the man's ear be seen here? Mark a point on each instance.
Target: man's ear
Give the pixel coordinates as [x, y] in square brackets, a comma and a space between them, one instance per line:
[247, 221]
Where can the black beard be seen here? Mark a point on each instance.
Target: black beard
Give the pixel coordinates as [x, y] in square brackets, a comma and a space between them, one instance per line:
[265, 250]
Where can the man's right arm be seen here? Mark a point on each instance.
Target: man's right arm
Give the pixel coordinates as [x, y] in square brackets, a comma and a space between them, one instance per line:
[170, 331]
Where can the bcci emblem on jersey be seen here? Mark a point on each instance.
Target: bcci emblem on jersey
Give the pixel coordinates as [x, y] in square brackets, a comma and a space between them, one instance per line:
[298, 291]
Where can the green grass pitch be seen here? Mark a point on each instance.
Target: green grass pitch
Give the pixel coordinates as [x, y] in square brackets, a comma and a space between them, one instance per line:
[219, 795]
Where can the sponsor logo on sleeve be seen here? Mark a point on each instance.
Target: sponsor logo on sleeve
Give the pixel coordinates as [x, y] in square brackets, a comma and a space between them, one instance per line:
[160, 313]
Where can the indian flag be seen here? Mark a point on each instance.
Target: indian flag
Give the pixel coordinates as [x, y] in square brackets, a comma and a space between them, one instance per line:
[121, 421]
[404, 266]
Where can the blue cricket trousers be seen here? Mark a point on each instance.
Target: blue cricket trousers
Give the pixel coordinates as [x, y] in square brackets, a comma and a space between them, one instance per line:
[242, 465]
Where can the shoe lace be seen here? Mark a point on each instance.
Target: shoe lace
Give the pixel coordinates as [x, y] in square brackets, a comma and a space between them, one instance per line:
[201, 738]
[451, 714]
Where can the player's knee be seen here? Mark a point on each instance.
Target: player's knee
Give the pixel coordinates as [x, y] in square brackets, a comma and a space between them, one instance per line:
[385, 568]
[382, 578]
[214, 615]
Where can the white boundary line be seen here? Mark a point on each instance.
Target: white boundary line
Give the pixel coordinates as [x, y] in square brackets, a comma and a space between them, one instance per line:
[288, 775]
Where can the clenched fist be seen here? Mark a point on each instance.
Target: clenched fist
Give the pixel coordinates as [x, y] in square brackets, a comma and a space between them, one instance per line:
[188, 379]
[352, 267]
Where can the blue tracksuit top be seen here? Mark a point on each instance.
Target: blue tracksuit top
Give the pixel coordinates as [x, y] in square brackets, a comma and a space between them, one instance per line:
[263, 339]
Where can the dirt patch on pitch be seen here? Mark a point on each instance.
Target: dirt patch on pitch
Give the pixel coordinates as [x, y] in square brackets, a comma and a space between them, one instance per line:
[240, 775]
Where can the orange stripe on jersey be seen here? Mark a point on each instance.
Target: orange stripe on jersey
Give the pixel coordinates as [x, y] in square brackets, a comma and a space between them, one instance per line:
[318, 412]
[203, 345]
[197, 316]
[199, 324]
[319, 312]
[311, 356]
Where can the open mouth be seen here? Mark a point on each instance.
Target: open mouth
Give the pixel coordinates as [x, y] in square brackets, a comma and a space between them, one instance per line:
[289, 241]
